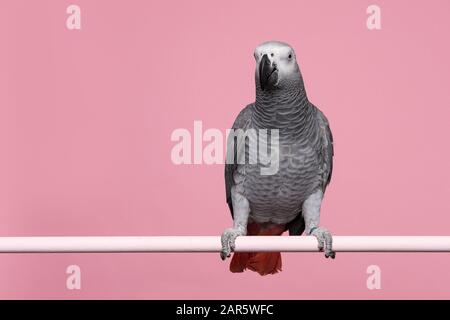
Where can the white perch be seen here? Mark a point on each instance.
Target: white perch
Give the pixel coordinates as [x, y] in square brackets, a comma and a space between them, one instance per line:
[212, 244]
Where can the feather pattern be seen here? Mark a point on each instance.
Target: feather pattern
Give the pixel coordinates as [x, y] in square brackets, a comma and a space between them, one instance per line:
[305, 149]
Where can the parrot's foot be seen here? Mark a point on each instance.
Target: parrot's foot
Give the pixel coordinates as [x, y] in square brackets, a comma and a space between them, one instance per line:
[325, 241]
[228, 241]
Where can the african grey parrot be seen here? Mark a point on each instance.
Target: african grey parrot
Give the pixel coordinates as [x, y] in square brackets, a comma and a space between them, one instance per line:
[290, 199]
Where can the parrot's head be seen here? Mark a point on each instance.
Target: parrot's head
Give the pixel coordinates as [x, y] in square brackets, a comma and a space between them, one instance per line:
[276, 66]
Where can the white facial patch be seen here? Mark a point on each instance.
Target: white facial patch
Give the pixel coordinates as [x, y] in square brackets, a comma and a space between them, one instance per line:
[279, 53]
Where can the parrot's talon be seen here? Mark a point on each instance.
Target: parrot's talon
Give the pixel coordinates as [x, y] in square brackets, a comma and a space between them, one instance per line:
[228, 241]
[325, 241]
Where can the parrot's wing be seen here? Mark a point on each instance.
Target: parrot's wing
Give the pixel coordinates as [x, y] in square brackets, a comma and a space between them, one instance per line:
[327, 150]
[242, 122]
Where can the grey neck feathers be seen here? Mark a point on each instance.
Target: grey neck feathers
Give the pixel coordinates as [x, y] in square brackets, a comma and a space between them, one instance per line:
[287, 110]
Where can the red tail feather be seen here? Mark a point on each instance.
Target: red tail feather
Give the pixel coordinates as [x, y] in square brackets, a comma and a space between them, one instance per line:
[262, 262]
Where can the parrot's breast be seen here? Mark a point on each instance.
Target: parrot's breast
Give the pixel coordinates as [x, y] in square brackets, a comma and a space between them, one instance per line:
[278, 197]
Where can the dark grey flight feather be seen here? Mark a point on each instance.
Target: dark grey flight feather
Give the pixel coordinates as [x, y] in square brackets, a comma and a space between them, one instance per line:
[327, 148]
[242, 122]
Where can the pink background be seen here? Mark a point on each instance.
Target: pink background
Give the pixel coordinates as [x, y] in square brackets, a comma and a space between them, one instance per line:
[86, 118]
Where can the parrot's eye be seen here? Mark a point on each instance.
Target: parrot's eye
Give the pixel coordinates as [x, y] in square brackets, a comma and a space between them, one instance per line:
[271, 54]
[290, 56]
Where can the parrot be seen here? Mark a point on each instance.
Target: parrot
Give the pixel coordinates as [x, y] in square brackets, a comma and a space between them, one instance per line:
[290, 199]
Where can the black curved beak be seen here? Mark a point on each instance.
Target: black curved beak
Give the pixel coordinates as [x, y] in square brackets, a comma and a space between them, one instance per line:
[266, 70]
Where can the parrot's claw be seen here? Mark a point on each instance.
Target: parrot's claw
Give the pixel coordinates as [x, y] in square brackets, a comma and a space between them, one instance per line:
[228, 241]
[325, 241]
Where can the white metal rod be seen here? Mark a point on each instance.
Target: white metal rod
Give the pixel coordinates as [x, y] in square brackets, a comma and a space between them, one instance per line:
[213, 244]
